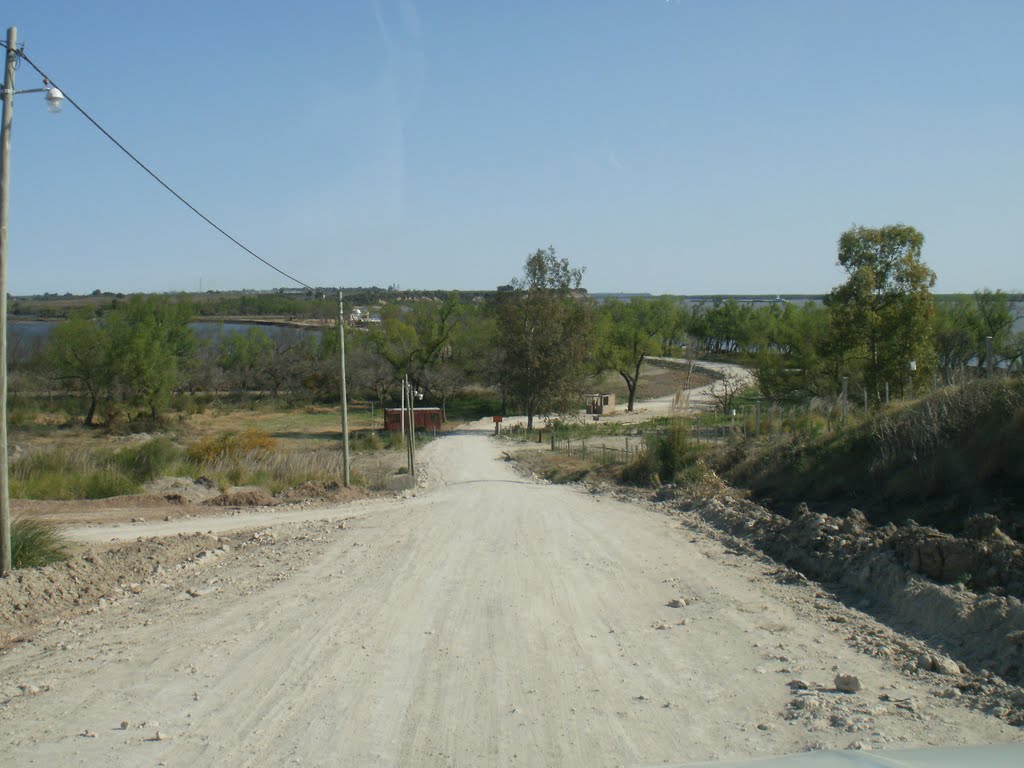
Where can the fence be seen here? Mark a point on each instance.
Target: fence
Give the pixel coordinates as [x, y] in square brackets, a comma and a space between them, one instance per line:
[759, 420]
[605, 454]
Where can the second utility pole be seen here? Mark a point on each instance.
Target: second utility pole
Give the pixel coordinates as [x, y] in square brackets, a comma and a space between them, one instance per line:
[344, 392]
[5, 175]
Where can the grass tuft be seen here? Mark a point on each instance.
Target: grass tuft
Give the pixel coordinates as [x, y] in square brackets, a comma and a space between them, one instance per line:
[34, 543]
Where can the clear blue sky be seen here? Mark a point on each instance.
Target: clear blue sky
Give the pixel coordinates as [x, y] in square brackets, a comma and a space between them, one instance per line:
[690, 146]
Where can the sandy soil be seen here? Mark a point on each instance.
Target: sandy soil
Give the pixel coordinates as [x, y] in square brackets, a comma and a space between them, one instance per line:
[482, 620]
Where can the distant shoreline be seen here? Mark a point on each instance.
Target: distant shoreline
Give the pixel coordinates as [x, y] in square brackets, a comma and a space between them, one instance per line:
[282, 322]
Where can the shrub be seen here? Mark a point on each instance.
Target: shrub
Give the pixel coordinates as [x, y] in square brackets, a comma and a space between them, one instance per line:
[35, 543]
[668, 458]
[148, 460]
[674, 451]
[230, 444]
[642, 470]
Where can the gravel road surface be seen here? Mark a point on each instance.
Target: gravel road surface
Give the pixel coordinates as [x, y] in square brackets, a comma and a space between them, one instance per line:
[484, 620]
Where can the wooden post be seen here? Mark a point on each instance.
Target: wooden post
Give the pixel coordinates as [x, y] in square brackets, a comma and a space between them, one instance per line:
[6, 559]
[344, 391]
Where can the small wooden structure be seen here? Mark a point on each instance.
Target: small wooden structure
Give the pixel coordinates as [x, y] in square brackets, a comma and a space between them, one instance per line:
[428, 419]
[600, 404]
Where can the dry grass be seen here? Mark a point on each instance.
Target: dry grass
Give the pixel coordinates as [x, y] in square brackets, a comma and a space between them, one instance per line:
[958, 449]
[228, 445]
[35, 543]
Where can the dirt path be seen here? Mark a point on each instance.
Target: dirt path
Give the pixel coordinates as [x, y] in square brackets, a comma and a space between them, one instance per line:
[485, 620]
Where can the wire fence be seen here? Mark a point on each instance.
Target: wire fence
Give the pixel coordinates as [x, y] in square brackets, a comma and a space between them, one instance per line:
[760, 420]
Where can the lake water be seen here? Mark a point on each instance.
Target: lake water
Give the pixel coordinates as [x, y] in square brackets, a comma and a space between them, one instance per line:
[25, 336]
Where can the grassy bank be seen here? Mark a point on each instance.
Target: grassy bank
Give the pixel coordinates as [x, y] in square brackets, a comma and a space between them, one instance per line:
[936, 460]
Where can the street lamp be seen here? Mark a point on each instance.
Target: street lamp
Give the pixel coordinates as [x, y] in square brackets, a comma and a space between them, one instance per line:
[53, 103]
[53, 98]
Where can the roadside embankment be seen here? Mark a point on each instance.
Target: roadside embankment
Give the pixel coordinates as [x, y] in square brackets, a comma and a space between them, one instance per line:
[893, 567]
[938, 461]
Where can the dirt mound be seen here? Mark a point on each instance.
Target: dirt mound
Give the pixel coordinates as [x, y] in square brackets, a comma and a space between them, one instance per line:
[242, 497]
[896, 568]
[988, 561]
[310, 490]
[35, 596]
[182, 489]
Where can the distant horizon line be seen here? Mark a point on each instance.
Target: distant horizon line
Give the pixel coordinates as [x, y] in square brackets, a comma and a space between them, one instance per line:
[49, 296]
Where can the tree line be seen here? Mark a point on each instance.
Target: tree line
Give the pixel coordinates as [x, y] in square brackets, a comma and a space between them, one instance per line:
[537, 342]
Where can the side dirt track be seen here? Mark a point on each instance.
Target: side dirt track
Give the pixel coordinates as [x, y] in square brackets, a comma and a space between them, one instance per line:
[484, 619]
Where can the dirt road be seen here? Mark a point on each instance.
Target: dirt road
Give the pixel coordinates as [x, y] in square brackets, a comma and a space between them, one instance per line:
[487, 620]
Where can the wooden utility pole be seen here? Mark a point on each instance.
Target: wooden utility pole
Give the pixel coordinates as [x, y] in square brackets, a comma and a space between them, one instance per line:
[5, 178]
[344, 391]
[412, 428]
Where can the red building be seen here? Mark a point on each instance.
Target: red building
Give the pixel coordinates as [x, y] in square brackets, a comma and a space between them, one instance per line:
[429, 419]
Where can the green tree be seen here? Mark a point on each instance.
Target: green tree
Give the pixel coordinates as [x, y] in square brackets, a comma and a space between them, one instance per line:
[151, 348]
[367, 370]
[955, 329]
[882, 315]
[414, 338]
[136, 355]
[246, 358]
[994, 318]
[544, 332]
[791, 364]
[628, 332]
[78, 354]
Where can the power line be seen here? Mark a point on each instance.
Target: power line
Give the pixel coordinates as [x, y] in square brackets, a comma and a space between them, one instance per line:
[161, 182]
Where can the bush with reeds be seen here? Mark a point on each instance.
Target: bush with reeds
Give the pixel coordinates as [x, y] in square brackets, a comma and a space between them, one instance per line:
[228, 444]
[35, 543]
[274, 470]
[91, 472]
[61, 472]
[670, 456]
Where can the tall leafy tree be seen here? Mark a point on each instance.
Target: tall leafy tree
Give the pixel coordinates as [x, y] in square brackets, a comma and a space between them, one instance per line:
[956, 323]
[994, 318]
[627, 332]
[77, 354]
[792, 362]
[882, 315]
[544, 334]
[136, 355]
[151, 347]
[414, 338]
[246, 358]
